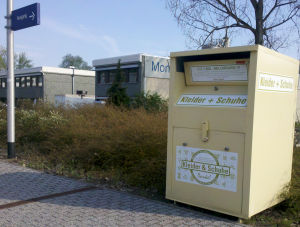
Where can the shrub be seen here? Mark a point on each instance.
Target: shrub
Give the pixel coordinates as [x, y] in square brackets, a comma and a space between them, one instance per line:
[3, 137]
[150, 102]
[117, 94]
[130, 143]
[35, 126]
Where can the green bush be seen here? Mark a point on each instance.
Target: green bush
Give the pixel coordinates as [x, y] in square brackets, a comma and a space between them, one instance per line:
[117, 94]
[152, 102]
[3, 123]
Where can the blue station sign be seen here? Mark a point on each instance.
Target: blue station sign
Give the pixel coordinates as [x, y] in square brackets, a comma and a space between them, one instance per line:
[25, 17]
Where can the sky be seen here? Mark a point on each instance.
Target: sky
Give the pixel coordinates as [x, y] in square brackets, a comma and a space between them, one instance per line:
[96, 29]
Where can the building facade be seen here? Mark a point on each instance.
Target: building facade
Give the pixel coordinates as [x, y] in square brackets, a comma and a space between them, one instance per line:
[141, 73]
[46, 82]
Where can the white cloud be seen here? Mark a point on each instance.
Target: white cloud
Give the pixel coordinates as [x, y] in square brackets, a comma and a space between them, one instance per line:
[82, 33]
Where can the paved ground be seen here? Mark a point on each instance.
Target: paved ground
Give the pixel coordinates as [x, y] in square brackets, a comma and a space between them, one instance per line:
[89, 207]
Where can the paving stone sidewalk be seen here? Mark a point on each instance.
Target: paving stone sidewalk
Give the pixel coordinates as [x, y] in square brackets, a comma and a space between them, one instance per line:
[93, 207]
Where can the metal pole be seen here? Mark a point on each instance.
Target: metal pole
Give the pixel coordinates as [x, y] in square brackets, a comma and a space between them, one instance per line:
[73, 79]
[73, 83]
[10, 85]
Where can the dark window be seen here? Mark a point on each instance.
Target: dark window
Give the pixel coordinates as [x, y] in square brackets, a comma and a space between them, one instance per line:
[98, 77]
[102, 77]
[125, 75]
[133, 75]
[33, 81]
[27, 81]
[17, 81]
[106, 76]
[112, 75]
[23, 84]
[3, 83]
[40, 81]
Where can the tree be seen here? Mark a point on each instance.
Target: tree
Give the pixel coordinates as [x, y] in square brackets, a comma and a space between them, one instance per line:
[116, 93]
[76, 61]
[268, 22]
[2, 58]
[21, 61]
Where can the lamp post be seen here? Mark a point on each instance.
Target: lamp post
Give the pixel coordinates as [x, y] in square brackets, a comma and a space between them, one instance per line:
[73, 79]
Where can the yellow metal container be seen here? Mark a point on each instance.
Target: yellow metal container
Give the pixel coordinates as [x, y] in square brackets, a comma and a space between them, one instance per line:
[231, 127]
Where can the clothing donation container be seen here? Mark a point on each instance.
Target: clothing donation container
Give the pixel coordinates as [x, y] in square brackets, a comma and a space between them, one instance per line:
[231, 128]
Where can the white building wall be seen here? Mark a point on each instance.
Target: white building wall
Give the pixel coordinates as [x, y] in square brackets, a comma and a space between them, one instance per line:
[157, 74]
[158, 85]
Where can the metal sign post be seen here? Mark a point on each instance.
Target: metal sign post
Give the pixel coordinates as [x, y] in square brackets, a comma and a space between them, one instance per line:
[25, 17]
[10, 85]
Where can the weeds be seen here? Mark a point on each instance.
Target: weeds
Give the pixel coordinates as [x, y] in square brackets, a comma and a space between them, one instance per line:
[91, 138]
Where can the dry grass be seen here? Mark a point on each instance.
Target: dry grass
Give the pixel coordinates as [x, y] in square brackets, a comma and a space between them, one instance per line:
[126, 144]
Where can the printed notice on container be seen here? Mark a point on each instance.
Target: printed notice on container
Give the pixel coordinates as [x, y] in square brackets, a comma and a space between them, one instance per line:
[213, 100]
[215, 73]
[210, 168]
[269, 82]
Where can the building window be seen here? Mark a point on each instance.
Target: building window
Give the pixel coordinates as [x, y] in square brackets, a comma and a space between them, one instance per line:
[133, 75]
[98, 77]
[125, 75]
[33, 81]
[108, 77]
[27, 81]
[112, 75]
[17, 81]
[102, 77]
[23, 82]
[3, 83]
[40, 81]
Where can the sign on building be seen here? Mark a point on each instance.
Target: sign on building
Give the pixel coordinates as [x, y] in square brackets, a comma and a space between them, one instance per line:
[157, 67]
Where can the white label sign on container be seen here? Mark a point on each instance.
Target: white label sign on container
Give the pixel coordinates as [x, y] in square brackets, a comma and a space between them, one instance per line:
[215, 73]
[213, 100]
[211, 168]
[270, 82]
